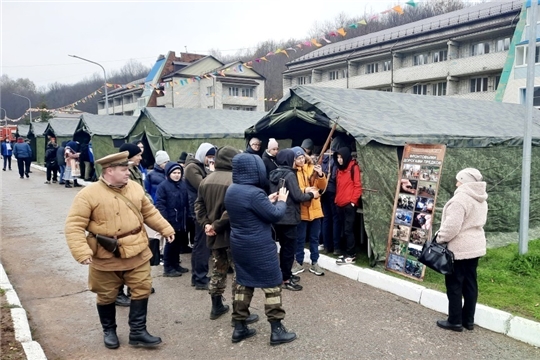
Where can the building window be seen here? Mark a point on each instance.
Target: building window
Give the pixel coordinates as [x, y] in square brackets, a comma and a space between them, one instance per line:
[439, 89]
[420, 59]
[521, 55]
[247, 92]
[210, 90]
[441, 55]
[420, 89]
[497, 81]
[536, 96]
[479, 84]
[334, 75]
[387, 65]
[372, 68]
[502, 45]
[387, 89]
[233, 91]
[302, 80]
[480, 49]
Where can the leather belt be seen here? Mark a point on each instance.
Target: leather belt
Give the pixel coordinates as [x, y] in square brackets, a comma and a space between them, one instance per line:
[132, 232]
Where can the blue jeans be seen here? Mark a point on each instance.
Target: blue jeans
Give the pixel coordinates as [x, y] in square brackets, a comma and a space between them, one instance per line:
[331, 228]
[314, 228]
[62, 169]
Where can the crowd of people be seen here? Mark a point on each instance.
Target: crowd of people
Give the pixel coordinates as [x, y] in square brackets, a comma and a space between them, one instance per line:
[232, 206]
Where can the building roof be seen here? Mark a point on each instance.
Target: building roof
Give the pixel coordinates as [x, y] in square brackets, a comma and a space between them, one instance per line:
[433, 24]
[62, 127]
[397, 119]
[38, 128]
[115, 126]
[201, 123]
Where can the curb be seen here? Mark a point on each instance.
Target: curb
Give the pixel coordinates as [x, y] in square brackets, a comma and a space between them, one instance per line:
[516, 327]
[32, 349]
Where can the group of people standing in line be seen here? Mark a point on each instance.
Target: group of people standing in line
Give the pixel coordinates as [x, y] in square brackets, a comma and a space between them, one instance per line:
[236, 204]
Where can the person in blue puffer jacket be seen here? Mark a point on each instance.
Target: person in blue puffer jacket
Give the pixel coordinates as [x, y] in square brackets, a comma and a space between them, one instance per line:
[172, 203]
[156, 176]
[23, 153]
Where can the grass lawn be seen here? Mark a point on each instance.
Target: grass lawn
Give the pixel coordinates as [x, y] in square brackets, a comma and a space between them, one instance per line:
[506, 281]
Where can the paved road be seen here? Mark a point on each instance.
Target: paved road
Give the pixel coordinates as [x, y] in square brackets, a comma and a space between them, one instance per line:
[335, 318]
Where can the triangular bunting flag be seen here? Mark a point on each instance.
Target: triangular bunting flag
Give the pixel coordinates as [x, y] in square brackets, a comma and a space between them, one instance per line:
[325, 39]
[363, 22]
[398, 9]
[314, 42]
[411, 3]
[353, 26]
[342, 32]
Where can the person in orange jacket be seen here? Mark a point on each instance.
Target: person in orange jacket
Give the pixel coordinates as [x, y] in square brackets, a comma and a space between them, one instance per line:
[348, 192]
[311, 212]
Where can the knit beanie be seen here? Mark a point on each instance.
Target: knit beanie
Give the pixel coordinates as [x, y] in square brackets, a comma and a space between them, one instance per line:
[469, 175]
[162, 157]
[272, 144]
[298, 151]
[307, 144]
[211, 152]
[132, 149]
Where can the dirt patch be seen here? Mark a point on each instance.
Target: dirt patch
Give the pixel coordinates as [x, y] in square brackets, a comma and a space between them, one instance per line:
[10, 348]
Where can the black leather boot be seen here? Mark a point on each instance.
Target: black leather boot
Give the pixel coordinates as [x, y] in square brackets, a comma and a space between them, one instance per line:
[107, 316]
[138, 336]
[218, 308]
[280, 335]
[121, 298]
[241, 332]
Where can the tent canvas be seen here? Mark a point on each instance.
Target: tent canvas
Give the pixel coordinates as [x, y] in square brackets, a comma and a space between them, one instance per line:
[38, 129]
[480, 134]
[106, 132]
[62, 129]
[175, 130]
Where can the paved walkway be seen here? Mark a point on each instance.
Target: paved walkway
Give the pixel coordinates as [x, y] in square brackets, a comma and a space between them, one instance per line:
[334, 317]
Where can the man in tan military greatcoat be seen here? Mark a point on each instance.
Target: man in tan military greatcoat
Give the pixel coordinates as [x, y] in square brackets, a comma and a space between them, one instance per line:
[116, 208]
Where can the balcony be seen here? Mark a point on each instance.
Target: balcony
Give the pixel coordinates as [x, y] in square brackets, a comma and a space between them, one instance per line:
[421, 73]
[238, 100]
[477, 64]
[378, 79]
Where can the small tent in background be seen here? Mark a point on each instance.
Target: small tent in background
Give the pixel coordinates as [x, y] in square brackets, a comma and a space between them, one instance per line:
[481, 134]
[106, 132]
[177, 130]
[38, 129]
[61, 128]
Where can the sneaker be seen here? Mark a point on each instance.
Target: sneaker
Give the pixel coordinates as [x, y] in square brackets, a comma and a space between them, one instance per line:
[291, 285]
[321, 247]
[346, 260]
[182, 270]
[295, 278]
[47, 182]
[54, 181]
[27, 175]
[316, 269]
[297, 268]
[172, 273]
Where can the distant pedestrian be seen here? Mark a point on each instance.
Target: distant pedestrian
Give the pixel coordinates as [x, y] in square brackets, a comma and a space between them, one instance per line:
[251, 215]
[157, 175]
[23, 153]
[254, 147]
[73, 170]
[61, 161]
[51, 163]
[7, 152]
[462, 227]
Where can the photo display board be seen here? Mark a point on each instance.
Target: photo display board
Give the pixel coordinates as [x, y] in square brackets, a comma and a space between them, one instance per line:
[414, 208]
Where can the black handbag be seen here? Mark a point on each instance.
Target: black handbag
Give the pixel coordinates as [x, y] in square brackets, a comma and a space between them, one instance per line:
[437, 256]
[153, 243]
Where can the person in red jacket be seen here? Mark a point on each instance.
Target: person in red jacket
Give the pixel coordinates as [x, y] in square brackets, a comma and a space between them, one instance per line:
[348, 192]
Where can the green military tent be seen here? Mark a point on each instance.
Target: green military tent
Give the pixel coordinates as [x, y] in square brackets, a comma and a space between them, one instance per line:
[175, 130]
[61, 128]
[106, 132]
[481, 134]
[38, 129]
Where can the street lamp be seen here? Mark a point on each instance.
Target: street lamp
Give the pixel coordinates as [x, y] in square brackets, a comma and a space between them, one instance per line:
[104, 75]
[29, 105]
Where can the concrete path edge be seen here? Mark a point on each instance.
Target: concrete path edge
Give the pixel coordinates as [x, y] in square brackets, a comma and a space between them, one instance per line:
[32, 349]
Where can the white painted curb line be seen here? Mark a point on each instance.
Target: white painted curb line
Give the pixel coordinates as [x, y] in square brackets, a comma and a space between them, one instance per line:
[492, 319]
[32, 349]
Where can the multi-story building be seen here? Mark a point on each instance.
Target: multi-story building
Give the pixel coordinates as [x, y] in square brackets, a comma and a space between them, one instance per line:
[231, 86]
[514, 76]
[130, 98]
[461, 54]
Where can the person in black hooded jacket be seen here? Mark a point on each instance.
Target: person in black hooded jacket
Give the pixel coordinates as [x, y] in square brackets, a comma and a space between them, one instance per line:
[172, 203]
[286, 227]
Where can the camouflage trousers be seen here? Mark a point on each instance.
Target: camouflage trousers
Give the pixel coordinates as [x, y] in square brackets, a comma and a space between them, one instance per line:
[272, 305]
[221, 261]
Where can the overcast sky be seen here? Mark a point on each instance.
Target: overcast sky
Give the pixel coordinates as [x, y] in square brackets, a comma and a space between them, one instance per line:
[36, 37]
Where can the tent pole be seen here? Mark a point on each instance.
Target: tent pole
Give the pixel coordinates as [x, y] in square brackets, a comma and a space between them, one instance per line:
[527, 138]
